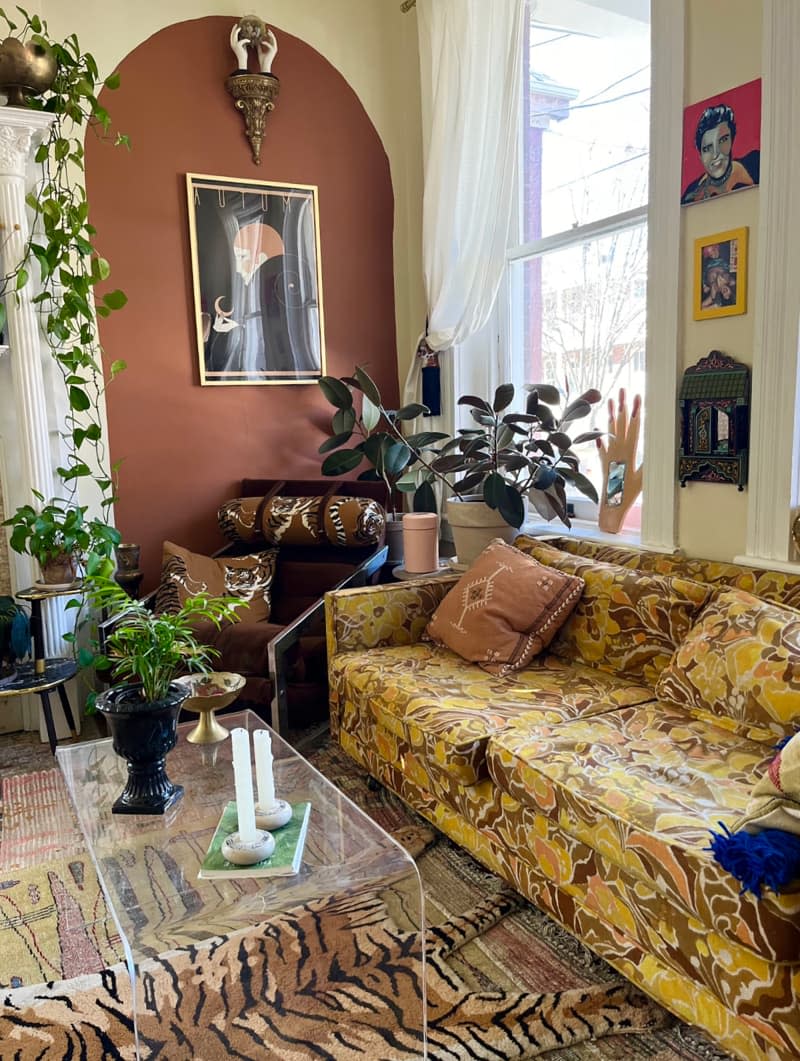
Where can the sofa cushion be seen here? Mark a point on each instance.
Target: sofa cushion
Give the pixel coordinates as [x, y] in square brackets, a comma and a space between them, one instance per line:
[644, 786]
[449, 709]
[627, 622]
[777, 586]
[739, 666]
[504, 610]
[185, 574]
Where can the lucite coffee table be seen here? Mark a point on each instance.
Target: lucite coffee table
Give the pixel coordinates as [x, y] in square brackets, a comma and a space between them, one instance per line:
[148, 865]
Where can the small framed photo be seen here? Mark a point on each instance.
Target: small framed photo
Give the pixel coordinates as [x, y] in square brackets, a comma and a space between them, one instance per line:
[720, 275]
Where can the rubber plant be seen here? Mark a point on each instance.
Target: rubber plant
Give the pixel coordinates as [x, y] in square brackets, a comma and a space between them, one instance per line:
[365, 431]
[61, 250]
[505, 457]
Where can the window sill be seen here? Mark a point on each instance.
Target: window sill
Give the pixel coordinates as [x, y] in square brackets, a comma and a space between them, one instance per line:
[789, 567]
[583, 529]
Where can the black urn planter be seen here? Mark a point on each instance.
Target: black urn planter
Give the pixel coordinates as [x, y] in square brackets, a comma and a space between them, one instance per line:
[142, 734]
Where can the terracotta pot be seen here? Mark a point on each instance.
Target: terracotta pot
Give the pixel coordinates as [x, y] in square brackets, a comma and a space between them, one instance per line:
[25, 70]
[62, 571]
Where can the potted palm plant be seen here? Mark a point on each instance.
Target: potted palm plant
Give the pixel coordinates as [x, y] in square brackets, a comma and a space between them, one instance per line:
[148, 651]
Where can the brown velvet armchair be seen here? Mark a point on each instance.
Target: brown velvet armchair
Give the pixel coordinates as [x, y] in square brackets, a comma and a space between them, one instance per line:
[322, 536]
[289, 542]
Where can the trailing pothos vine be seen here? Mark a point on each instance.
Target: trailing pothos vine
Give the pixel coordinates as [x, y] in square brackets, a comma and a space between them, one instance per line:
[61, 248]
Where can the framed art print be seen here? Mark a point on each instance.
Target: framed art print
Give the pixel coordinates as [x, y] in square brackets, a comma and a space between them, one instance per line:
[722, 144]
[720, 274]
[257, 281]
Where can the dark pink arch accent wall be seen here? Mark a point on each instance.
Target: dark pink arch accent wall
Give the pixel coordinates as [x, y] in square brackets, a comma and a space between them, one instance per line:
[185, 447]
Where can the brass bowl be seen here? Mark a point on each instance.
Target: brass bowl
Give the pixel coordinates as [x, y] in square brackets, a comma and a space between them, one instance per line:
[209, 693]
[25, 70]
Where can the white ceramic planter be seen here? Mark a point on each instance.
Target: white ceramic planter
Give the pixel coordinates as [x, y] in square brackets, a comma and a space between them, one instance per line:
[474, 525]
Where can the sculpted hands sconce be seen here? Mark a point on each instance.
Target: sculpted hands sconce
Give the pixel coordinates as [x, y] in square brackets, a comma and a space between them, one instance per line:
[254, 94]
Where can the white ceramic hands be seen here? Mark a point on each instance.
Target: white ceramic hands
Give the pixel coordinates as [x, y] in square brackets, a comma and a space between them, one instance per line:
[266, 49]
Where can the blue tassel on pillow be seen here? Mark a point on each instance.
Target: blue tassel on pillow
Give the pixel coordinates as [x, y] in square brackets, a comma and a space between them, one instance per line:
[785, 740]
[770, 858]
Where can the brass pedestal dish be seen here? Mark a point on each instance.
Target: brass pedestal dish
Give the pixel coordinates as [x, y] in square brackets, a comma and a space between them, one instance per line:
[209, 693]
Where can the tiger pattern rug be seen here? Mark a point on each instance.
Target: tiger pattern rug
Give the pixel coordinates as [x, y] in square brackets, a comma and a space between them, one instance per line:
[331, 980]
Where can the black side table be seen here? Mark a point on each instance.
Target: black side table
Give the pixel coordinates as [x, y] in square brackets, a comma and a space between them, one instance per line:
[42, 675]
[56, 672]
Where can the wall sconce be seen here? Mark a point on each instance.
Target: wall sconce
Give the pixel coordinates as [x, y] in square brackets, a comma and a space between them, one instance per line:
[254, 94]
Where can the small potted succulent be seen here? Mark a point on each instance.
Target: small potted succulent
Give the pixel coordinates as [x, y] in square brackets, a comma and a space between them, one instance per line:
[60, 537]
[148, 651]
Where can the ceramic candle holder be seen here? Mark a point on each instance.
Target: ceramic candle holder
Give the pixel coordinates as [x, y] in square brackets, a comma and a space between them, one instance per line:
[248, 852]
[275, 816]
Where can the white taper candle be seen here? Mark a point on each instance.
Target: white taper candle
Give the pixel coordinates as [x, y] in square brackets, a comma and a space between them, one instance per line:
[262, 744]
[243, 783]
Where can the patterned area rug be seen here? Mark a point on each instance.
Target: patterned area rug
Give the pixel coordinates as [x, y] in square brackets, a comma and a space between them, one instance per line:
[524, 952]
[331, 980]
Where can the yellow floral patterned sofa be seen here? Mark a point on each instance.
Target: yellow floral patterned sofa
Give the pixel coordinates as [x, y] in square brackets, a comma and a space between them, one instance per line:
[590, 780]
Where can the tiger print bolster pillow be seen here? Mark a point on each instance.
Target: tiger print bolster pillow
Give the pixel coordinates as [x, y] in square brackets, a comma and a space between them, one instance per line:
[238, 519]
[185, 574]
[344, 521]
[339, 520]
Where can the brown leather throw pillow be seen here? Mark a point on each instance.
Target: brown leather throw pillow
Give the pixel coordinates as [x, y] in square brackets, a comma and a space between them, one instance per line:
[505, 609]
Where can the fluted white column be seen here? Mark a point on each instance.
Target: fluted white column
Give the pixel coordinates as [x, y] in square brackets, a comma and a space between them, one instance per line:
[21, 131]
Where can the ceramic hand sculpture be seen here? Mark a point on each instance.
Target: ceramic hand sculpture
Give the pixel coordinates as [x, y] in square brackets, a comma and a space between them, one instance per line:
[622, 480]
[250, 32]
[267, 50]
[239, 47]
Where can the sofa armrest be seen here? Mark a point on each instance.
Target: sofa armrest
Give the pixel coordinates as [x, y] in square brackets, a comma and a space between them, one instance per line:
[280, 645]
[382, 615]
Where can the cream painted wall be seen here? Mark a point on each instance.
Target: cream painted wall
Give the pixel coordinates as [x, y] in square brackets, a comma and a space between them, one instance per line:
[370, 42]
[723, 50]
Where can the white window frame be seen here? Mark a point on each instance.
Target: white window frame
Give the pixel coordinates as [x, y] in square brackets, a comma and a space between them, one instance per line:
[662, 214]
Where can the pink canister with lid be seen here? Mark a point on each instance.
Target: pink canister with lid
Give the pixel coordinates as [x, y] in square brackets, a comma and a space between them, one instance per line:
[420, 542]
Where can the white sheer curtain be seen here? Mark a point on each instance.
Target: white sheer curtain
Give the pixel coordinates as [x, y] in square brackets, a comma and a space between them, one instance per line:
[470, 66]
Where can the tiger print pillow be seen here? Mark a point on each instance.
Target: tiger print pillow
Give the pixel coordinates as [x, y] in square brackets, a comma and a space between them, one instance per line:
[185, 574]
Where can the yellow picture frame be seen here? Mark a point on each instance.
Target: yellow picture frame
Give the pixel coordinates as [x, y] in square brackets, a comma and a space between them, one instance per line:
[720, 274]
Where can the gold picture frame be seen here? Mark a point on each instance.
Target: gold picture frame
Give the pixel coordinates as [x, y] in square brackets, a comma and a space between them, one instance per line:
[720, 274]
[257, 279]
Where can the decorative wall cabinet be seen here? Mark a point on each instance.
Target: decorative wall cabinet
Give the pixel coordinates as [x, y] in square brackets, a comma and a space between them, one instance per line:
[715, 421]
